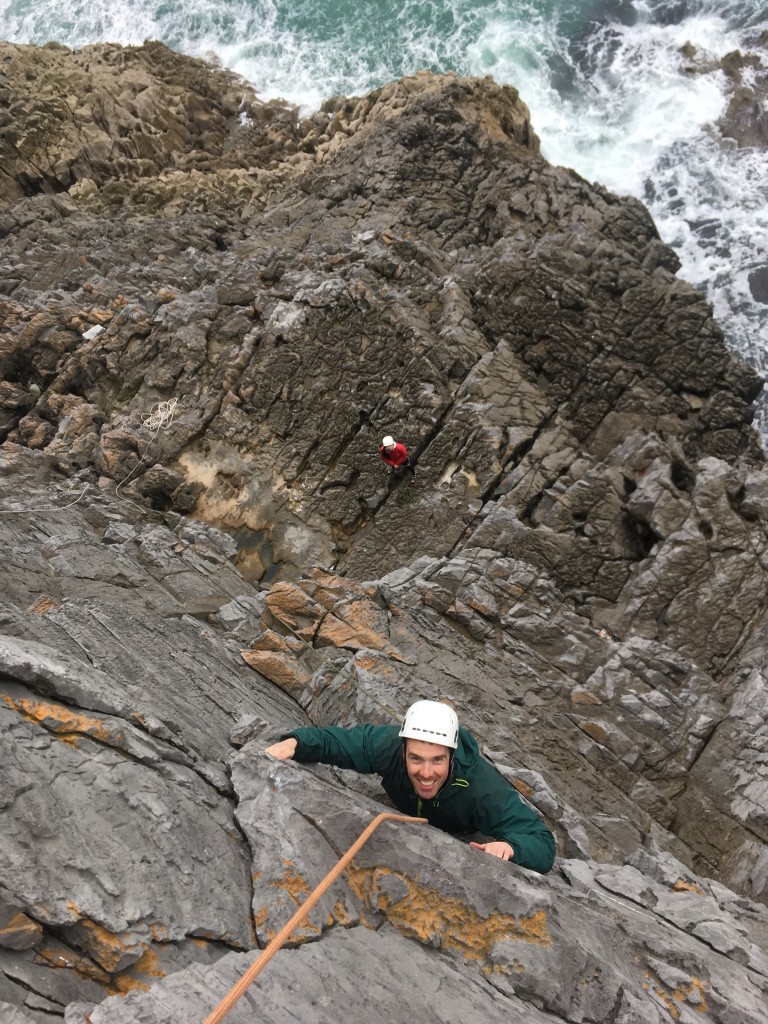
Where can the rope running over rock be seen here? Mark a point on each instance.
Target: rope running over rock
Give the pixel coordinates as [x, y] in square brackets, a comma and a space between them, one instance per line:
[159, 416]
[238, 989]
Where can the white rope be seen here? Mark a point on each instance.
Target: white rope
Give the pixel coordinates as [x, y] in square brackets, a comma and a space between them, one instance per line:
[160, 416]
[605, 896]
[50, 508]
[624, 906]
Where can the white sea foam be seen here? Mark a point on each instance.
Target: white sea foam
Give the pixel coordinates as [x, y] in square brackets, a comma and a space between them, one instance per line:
[642, 124]
[606, 83]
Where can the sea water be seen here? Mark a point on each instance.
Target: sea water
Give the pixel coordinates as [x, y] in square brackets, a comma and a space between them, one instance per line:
[605, 80]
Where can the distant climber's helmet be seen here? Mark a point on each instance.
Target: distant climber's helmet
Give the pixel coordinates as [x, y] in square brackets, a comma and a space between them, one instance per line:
[387, 442]
[432, 722]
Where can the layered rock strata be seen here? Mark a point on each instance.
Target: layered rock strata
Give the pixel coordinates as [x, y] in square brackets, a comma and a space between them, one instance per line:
[212, 311]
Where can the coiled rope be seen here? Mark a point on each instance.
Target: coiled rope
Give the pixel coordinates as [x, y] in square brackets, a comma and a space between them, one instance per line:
[239, 988]
[160, 416]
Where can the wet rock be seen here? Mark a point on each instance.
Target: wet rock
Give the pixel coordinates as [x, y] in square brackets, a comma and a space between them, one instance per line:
[758, 284]
[745, 118]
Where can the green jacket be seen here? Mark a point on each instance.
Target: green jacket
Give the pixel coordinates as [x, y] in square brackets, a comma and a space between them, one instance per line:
[474, 798]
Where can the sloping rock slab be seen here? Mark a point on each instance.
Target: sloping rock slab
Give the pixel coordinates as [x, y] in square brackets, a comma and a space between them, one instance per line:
[327, 983]
[570, 953]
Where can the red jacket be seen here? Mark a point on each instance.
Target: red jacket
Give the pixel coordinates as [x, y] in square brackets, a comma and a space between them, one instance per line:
[396, 457]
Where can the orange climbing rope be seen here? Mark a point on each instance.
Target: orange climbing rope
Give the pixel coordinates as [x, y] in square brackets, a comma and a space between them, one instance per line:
[239, 988]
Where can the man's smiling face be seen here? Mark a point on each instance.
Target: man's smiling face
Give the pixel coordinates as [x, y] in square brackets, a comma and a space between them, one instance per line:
[427, 765]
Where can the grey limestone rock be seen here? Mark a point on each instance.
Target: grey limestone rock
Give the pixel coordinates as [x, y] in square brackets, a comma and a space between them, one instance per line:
[201, 551]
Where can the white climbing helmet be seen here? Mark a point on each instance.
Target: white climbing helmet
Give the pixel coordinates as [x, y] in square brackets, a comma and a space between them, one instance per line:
[387, 441]
[432, 722]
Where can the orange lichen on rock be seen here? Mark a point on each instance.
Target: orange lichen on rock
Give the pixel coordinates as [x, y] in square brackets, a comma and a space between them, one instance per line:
[20, 932]
[341, 914]
[149, 963]
[292, 883]
[58, 719]
[292, 606]
[681, 885]
[99, 316]
[515, 966]
[122, 984]
[579, 695]
[65, 958]
[107, 948]
[297, 889]
[433, 917]
[594, 729]
[692, 993]
[260, 916]
[377, 664]
[281, 668]
[42, 605]
[357, 624]
[523, 788]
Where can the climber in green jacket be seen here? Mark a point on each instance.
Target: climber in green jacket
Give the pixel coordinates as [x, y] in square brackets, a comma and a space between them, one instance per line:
[431, 768]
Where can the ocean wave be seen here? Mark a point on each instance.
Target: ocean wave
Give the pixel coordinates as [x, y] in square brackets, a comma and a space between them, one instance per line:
[607, 82]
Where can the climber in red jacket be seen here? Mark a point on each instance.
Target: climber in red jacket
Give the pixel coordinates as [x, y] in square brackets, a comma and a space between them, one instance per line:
[395, 455]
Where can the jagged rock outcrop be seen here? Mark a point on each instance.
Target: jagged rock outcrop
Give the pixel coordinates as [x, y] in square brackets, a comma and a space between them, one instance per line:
[206, 331]
[131, 112]
[745, 119]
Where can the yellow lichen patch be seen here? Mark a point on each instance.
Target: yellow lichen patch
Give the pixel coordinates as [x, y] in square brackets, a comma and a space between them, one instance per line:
[149, 964]
[284, 670]
[58, 719]
[375, 663]
[681, 885]
[159, 932]
[106, 947]
[595, 730]
[68, 959]
[341, 914]
[202, 943]
[428, 916]
[523, 787]
[581, 696]
[297, 889]
[292, 883]
[100, 316]
[260, 917]
[69, 739]
[358, 623]
[490, 969]
[74, 910]
[692, 993]
[21, 926]
[122, 984]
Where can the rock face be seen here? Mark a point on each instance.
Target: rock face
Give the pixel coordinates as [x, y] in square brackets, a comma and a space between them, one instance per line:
[745, 119]
[212, 312]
